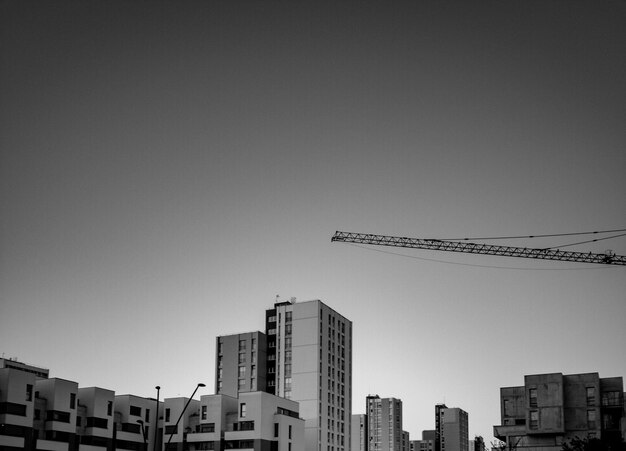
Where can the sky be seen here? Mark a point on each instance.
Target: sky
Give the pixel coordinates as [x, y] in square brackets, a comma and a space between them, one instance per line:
[167, 169]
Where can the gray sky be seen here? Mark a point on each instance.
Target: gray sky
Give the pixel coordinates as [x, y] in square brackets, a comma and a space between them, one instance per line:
[168, 168]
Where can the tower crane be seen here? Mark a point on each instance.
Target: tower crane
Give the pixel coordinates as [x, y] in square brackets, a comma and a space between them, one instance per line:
[608, 258]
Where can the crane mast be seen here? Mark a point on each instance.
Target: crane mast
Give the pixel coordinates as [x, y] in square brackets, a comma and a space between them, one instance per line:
[607, 258]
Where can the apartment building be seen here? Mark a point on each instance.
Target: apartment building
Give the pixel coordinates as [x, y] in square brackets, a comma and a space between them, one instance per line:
[17, 409]
[255, 421]
[94, 421]
[384, 417]
[310, 361]
[135, 418]
[358, 433]
[406, 441]
[305, 355]
[54, 414]
[451, 428]
[240, 363]
[550, 409]
[427, 443]
[40, 373]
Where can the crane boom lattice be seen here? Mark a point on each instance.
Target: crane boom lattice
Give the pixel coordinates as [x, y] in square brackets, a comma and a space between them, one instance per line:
[608, 258]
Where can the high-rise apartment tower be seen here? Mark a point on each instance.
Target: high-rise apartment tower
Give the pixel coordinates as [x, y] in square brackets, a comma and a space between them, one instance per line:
[309, 360]
[384, 423]
[304, 355]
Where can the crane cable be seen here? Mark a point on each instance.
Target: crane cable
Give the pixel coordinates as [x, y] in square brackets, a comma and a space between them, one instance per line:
[535, 236]
[588, 241]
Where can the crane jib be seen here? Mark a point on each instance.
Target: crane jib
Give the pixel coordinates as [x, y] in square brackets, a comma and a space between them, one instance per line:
[607, 258]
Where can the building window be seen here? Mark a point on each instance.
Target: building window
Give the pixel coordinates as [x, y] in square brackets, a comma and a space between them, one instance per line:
[591, 419]
[242, 357]
[203, 412]
[275, 429]
[532, 397]
[135, 411]
[290, 431]
[72, 400]
[611, 398]
[209, 427]
[242, 371]
[29, 392]
[242, 384]
[591, 396]
[110, 408]
[288, 316]
[242, 410]
[534, 419]
[242, 345]
[253, 340]
[167, 414]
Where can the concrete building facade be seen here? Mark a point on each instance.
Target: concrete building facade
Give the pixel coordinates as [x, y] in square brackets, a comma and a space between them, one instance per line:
[240, 363]
[305, 355]
[255, 421]
[17, 409]
[550, 409]
[358, 433]
[54, 414]
[427, 443]
[95, 424]
[384, 424]
[451, 428]
[309, 360]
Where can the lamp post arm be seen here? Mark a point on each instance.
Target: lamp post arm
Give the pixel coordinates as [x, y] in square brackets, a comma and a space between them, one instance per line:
[181, 415]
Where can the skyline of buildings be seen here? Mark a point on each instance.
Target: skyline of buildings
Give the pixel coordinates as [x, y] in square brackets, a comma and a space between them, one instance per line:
[289, 389]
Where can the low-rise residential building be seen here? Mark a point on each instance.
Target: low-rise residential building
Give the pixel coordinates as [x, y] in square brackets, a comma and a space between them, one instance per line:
[55, 414]
[256, 421]
[135, 419]
[551, 409]
[427, 443]
[94, 422]
[17, 409]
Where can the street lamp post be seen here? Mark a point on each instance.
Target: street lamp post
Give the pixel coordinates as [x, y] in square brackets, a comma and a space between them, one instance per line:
[181, 415]
[156, 423]
[143, 434]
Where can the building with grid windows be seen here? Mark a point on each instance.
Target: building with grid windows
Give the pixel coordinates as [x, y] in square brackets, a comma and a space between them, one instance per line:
[451, 429]
[384, 424]
[240, 363]
[305, 355]
[550, 409]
